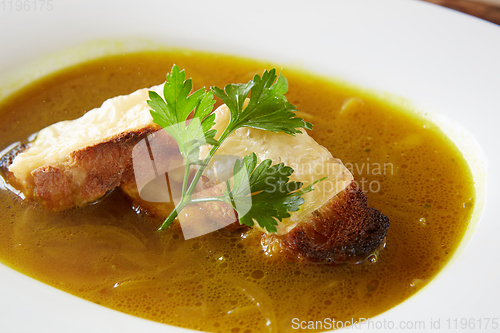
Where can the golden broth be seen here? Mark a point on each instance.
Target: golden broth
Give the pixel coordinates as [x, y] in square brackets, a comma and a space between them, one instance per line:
[223, 282]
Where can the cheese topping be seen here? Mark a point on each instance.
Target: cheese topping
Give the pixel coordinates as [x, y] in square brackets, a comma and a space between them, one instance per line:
[54, 143]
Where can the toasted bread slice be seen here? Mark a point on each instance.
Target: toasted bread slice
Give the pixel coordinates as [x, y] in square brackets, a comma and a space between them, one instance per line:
[75, 162]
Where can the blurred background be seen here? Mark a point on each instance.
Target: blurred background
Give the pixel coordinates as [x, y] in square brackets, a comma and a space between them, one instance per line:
[486, 9]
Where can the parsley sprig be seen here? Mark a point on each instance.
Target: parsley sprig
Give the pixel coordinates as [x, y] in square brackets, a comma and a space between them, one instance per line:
[273, 195]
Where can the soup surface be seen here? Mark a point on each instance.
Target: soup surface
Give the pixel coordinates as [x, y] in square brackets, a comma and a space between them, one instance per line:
[224, 282]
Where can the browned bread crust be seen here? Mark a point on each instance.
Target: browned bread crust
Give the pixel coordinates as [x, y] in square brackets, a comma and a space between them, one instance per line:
[87, 175]
[343, 230]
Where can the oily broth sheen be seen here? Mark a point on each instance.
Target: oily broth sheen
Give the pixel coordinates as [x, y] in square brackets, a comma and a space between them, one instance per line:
[223, 282]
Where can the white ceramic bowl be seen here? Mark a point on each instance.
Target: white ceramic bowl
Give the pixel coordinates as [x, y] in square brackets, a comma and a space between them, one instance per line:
[444, 62]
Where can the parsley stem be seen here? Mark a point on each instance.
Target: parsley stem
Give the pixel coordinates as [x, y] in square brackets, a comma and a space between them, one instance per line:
[171, 217]
[207, 159]
[187, 167]
[186, 195]
[181, 206]
[207, 199]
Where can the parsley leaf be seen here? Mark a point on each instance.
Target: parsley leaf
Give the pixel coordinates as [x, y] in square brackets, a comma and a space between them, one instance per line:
[272, 194]
[267, 109]
[172, 114]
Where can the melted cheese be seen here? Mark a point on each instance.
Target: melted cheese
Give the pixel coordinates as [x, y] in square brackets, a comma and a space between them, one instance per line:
[54, 143]
[309, 159]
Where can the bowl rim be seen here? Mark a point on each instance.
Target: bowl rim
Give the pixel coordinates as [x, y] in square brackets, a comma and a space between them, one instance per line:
[471, 42]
